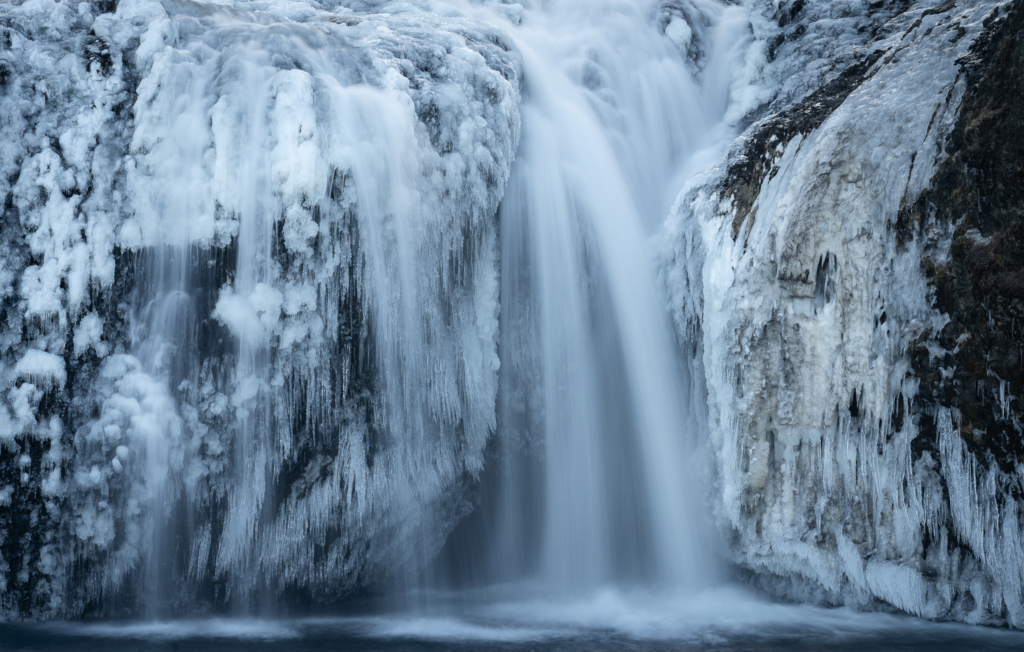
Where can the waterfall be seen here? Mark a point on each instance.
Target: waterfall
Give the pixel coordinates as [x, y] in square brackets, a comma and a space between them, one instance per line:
[597, 478]
[310, 300]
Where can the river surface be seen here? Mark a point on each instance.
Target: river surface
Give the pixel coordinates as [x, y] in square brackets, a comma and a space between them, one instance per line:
[721, 619]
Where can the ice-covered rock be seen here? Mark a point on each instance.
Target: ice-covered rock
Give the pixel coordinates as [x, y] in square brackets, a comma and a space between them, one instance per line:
[250, 291]
[842, 476]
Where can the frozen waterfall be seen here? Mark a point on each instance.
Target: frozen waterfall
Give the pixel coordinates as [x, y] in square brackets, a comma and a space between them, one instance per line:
[358, 320]
[304, 300]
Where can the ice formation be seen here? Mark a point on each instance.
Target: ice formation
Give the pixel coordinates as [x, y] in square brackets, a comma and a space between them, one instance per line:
[785, 259]
[252, 318]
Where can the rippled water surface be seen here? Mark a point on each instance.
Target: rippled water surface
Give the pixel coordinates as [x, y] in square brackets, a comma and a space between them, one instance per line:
[724, 619]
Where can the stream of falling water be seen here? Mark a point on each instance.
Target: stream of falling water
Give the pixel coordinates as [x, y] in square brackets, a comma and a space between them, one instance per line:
[597, 478]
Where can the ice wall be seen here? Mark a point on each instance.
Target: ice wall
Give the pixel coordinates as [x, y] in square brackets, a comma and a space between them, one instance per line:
[835, 481]
[250, 296]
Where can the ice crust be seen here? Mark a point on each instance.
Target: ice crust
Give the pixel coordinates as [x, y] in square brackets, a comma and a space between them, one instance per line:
[351, 157]
[806, 314]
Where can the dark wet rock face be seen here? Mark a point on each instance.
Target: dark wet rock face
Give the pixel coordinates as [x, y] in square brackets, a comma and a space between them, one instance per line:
[979, 191]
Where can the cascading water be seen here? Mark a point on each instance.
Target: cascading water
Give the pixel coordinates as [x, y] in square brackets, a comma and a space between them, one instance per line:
[592, 382]
[308, 299]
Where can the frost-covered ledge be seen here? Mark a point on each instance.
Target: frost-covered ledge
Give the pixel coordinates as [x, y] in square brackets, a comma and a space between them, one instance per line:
[792, 262]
